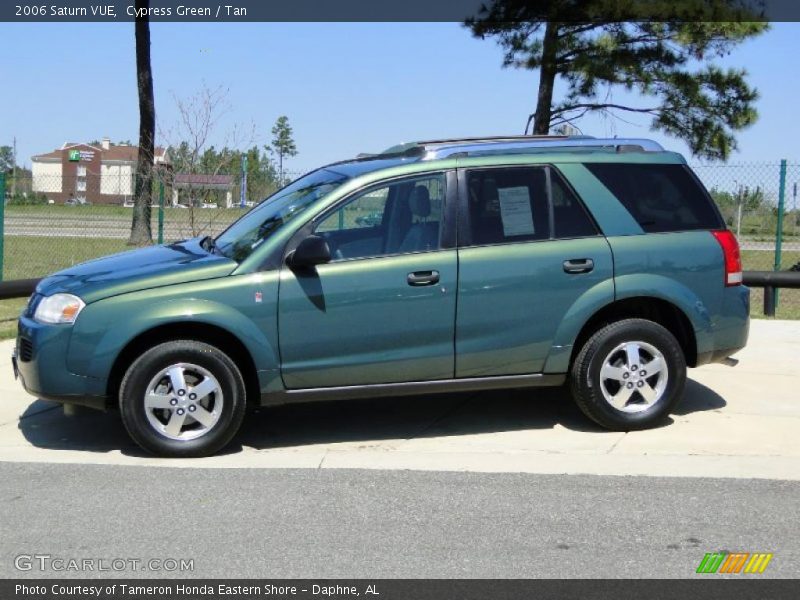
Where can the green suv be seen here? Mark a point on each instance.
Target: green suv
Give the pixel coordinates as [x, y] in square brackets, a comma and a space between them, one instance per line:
[437, 266]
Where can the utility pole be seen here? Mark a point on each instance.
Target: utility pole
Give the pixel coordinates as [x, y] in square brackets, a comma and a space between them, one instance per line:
[14, 170]
[739, 201]
[243, 188]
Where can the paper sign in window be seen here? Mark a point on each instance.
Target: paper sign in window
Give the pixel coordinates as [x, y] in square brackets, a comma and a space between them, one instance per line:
[515, 211]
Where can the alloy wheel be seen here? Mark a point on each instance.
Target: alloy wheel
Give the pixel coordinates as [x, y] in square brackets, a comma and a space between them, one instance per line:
[633, 376]
[183, 401]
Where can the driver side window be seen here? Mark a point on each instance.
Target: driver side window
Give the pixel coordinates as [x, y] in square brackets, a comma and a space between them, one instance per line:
[402, 217]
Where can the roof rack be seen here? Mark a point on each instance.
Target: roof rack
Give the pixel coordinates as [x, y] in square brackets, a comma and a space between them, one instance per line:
[437, 149]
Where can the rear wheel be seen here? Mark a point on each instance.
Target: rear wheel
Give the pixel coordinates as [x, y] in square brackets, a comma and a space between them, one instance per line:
[182, 399]
[629, 375]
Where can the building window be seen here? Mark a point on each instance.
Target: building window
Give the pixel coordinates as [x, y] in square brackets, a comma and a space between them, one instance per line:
[81, 171]
[80, 185]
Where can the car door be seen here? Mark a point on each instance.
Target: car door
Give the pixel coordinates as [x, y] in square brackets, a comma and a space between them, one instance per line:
[528, 250]
[383, 309]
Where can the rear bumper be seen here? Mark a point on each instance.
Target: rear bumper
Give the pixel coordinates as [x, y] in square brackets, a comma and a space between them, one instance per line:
[40, 362]
[731, 327]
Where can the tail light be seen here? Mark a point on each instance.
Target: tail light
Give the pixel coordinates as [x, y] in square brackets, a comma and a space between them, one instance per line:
[733, 259]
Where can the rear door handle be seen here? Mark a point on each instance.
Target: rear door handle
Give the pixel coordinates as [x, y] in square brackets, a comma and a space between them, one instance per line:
[575, 266]
[420, 278]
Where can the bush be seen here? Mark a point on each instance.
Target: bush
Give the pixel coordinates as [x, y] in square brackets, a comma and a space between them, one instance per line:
[27, 199]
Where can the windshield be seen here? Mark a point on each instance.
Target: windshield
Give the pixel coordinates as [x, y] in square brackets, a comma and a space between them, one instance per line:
[249, 232]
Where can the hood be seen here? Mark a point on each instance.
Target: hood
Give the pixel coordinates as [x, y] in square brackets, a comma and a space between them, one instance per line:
[135, 270]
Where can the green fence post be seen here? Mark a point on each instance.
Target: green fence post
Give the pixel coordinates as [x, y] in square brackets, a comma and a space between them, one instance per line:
[779, 227]
[2, 220]
[160, 212]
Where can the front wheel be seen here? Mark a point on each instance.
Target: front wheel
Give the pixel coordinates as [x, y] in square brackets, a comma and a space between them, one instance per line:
[629, 375]
[182, 399]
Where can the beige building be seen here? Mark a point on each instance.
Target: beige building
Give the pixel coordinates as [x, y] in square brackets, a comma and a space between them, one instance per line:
[98, 173]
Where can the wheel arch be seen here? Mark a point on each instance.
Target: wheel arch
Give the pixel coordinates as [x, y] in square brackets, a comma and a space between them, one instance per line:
[208, 333]
[651, 308]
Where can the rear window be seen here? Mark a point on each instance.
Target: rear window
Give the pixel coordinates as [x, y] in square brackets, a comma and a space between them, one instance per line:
[660, 197]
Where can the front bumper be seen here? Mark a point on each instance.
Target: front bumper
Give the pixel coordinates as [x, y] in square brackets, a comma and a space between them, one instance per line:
[40, 362]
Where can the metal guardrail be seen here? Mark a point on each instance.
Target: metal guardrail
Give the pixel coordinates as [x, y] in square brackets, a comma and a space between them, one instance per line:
[769, 280]
[17, 288]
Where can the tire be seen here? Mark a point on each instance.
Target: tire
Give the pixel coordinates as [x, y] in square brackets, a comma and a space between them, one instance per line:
[611, 393]
[198, 422]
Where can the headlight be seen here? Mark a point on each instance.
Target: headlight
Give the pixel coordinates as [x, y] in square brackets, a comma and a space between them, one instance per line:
[58, 308]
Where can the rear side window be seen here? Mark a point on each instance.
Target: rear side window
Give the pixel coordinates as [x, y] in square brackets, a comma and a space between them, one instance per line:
[660, 197]
[569, 216]
[508, 205]
[512, 204]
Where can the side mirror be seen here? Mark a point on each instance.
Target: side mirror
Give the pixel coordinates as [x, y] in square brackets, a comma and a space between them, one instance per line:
[312, 251]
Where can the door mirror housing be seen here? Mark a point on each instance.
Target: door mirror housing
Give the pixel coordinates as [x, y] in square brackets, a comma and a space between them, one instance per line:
[312, 251]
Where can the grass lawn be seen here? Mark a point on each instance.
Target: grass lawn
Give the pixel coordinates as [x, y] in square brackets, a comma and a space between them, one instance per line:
[27, 257]
[788, 304]
[182, 215]
[9, 311]
[758, 260]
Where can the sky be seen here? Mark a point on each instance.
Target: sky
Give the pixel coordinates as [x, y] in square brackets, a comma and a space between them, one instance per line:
[346, 88]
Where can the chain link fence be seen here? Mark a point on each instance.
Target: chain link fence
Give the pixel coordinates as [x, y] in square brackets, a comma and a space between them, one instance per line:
[759, 202]
[52, 221]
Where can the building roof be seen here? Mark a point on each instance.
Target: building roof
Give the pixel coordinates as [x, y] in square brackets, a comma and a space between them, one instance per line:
[115, 152]
[202, 179]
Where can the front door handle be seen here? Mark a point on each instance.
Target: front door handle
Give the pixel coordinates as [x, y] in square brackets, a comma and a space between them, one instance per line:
[575, 266]
[420, 278]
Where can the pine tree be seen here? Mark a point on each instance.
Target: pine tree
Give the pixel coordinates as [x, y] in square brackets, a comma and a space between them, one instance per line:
[663, 51]
[282, 142]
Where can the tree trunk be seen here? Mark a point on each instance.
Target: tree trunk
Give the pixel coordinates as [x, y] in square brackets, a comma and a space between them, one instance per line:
[547, 79]
[141, 233]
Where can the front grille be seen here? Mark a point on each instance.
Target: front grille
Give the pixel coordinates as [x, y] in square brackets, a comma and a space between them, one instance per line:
[25, 350]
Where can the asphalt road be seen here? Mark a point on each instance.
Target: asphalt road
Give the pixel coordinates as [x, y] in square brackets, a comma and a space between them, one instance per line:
[361, 523]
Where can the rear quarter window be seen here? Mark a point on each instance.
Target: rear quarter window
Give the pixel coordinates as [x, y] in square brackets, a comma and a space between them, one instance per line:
[661, 198]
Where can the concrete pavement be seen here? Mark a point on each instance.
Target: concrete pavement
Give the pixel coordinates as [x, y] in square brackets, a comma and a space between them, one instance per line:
[740, 422]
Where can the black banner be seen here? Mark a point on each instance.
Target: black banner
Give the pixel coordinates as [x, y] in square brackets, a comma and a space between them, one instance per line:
[712, 587]
[232, 11]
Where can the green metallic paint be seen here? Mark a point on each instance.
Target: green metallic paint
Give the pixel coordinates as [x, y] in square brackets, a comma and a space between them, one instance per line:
[46, 374]
[610, 215]
[100, 332]
[684, 268]
[513, 298]
[135, 270]
[357, 322]
[731, 323]
[587, 305]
